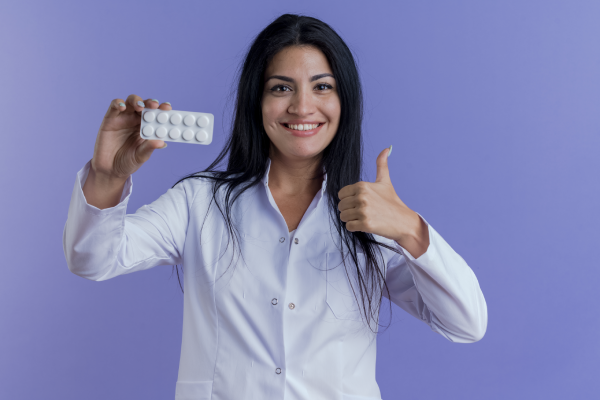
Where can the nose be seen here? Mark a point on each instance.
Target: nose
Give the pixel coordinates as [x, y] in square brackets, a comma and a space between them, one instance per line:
[302, 103]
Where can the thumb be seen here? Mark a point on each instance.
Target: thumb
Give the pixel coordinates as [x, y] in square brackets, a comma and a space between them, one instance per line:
[147, 148]
[383, 173]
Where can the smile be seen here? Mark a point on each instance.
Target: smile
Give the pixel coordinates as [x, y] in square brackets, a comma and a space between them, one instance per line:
[302, 127]
[303, 130]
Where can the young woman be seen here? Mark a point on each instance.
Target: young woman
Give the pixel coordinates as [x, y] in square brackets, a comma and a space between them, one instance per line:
[286, 254]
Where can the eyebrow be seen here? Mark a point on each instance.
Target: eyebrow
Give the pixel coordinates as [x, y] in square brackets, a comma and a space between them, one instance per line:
[288, 79]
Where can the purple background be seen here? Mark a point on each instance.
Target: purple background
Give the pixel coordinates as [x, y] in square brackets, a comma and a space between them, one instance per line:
[492, 108]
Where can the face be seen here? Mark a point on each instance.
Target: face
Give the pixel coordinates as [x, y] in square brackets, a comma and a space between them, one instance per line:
[300, 103]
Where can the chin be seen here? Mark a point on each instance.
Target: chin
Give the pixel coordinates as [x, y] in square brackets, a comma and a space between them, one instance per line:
[306, 152]
[299, 148]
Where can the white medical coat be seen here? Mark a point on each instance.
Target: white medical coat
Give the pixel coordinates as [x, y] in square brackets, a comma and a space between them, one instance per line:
[281, 322]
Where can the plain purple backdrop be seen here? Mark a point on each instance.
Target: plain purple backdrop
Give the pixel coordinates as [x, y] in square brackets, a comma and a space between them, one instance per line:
[493, 112]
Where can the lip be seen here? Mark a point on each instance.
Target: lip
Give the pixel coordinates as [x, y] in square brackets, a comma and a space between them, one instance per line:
[303, 133]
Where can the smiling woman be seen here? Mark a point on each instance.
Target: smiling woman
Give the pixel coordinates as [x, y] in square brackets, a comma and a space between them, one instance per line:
[301, 97]
[293, 320]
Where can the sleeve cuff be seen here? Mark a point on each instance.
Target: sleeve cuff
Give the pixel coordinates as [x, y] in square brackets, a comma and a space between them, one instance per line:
[81, 178]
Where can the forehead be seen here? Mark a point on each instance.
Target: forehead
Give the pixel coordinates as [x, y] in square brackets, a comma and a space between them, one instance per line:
[299, 62]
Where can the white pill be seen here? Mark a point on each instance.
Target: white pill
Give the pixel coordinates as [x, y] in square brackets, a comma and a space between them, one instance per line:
[176, 119]
[162, 118]
[202, 135]
[161, 132]
[149, 116]
[203, 121]
[188, 134]
[189, 120]
[148, 130]
[174, 133]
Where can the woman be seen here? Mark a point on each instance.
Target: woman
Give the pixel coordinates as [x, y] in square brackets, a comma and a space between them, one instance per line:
[286, 254]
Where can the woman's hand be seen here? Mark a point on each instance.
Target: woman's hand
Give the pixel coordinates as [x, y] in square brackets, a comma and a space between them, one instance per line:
[376, 208]
[119, 150]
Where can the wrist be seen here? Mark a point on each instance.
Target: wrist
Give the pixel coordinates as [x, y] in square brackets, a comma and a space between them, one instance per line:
[105, 180]
[101, 190]
[416, 237]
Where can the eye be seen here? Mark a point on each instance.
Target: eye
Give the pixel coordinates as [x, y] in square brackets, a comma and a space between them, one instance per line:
[280, 88]
[323, 86]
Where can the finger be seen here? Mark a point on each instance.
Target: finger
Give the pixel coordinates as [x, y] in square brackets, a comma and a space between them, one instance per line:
[347, 191]
[165, 106]
[151, 103]
[347, 203]
[135, 104]
[354, 226]
[116, 107]
[351, 215]
[383, 173]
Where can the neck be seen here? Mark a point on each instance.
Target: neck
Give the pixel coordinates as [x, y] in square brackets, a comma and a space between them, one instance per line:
[294, 176]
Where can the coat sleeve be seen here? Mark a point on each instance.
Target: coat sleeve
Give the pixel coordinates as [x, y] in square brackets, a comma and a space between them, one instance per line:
[101, 244]
[440, 289]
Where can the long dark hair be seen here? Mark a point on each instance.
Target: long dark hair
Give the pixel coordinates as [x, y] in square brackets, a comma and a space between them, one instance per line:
[248, 145]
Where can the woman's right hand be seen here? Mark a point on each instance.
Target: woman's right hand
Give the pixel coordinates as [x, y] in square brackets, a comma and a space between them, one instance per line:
[119, 149]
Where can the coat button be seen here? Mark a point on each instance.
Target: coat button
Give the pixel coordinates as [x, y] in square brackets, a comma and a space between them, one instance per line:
[281, 239]
[274, 302]
[292, 306]
[296, 240]
[278, 371]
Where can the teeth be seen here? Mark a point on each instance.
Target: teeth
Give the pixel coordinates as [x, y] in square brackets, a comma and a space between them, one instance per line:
[303, 127]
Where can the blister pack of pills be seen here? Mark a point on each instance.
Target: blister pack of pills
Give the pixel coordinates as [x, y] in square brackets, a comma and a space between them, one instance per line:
[177, 126]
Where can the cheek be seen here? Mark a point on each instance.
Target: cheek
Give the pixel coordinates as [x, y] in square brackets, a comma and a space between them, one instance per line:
[333, 112]
[271, 109]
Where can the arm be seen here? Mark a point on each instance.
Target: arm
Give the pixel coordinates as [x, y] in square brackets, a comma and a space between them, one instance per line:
[436, 285]
[103, 243]
[439, 288]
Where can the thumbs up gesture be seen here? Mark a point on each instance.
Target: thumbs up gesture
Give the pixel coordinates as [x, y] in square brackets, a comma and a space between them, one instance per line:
[376, 208]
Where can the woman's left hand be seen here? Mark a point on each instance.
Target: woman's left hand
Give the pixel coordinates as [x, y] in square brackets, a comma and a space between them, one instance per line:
[376, 208]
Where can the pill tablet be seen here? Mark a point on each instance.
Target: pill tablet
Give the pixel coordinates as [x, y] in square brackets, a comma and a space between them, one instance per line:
[161, 132]
[176, 119]
[162, 117]
[201, 135]
[149, 116]
[177, 126]
[188, 134]
[148, 130]
[189, 120]
[203, 121]
[174, 133]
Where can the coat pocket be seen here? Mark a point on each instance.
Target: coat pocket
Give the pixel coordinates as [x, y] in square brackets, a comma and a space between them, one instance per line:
[193, 390]
[341, 294]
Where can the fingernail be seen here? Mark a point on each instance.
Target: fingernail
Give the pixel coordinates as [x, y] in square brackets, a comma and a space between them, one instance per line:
[141, 104]
[166, 102]
[122, 104]
[390, 152]
[155, 100]
[165, 146]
